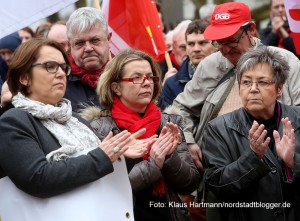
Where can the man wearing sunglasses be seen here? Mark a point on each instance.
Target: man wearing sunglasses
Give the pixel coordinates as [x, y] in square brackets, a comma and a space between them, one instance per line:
[213, 89]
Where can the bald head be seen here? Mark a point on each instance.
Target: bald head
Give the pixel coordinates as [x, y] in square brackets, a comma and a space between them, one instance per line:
[58, 32]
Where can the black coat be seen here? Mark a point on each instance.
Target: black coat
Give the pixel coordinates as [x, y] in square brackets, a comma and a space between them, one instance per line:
[236, 175]
[80, 95]
[24, 144]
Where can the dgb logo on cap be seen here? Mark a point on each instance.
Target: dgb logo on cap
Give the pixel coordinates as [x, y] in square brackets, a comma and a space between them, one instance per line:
[224, 16]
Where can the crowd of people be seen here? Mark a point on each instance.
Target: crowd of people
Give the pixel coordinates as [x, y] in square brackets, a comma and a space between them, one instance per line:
[89, 135]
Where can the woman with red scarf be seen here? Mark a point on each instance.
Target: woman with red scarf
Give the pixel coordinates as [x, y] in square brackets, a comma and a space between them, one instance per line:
[127, 91]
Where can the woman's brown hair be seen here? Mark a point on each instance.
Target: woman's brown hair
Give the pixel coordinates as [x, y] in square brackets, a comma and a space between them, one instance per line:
[26, 54]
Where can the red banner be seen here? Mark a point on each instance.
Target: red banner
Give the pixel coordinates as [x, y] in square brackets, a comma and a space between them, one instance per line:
[135, 24]
[292, 8]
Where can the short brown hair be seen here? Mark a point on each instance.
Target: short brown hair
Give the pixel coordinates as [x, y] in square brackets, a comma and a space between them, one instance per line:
[114, 70]
[29, 30]
[26, 54]
[197, 26]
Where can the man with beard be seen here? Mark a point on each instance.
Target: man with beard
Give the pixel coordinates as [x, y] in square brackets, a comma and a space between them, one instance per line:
[89, 38]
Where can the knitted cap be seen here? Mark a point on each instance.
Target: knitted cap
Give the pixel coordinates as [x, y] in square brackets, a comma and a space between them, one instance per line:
[11, 41]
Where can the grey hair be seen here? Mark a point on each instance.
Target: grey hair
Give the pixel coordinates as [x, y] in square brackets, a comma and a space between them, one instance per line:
[206, 10]
[182, 25]
[264, 55]
[85, 18]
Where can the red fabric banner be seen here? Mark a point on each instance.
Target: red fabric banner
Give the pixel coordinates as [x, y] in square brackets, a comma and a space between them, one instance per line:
[292, 8]
[135, 24]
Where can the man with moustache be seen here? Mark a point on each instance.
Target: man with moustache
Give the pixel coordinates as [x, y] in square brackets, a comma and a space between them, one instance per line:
[89, 38]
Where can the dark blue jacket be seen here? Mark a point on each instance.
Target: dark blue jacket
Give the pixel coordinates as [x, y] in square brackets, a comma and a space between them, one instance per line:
[3, 70]
[80, 95]
[1, 83]
[175, 85]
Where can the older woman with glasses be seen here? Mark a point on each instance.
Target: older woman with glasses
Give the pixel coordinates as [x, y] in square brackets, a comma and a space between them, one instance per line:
[252, 154]
[127, 91]
[52, 165]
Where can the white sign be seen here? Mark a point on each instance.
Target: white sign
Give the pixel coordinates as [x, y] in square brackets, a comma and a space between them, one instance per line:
[17, 14]
[107, 199]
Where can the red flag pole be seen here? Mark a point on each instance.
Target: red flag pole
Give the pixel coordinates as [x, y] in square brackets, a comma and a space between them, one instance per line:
[168, 60]
[97, 4]
[152, 40]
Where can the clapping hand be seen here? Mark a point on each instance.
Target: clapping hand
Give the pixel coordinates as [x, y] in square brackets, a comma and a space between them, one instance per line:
[257, 140]
[277, 23]
[169, 73]
[196, 154]
[165, 144]
[115, 146]
[127, 144]
[285, 146]
[138, 148]
[177, 138]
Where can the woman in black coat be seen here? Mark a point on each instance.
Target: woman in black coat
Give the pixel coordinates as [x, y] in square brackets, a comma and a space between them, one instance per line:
[252, 154]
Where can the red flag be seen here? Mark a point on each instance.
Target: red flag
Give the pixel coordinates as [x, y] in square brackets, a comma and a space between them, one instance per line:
[135, 24]
[292, 8]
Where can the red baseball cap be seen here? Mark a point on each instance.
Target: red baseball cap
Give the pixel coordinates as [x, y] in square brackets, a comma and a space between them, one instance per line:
[227, 19]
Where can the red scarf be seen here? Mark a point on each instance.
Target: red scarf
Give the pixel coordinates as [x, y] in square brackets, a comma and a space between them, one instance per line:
[172, 57]
[89, 78]
[281, 39]
[127, 119]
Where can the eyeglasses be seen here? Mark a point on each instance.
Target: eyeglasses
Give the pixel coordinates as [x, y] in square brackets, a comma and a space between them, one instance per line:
[231, 44]
[52, 66]
[141, 79]
[260, 84]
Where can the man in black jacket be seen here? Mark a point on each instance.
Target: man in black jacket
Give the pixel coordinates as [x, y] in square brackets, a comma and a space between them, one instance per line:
[277, 33]
[89, 38]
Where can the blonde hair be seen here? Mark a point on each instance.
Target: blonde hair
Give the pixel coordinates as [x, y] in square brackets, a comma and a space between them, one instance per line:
[114, 70]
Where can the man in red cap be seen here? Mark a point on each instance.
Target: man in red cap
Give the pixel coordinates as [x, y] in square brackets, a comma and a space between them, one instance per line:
[213, 90]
